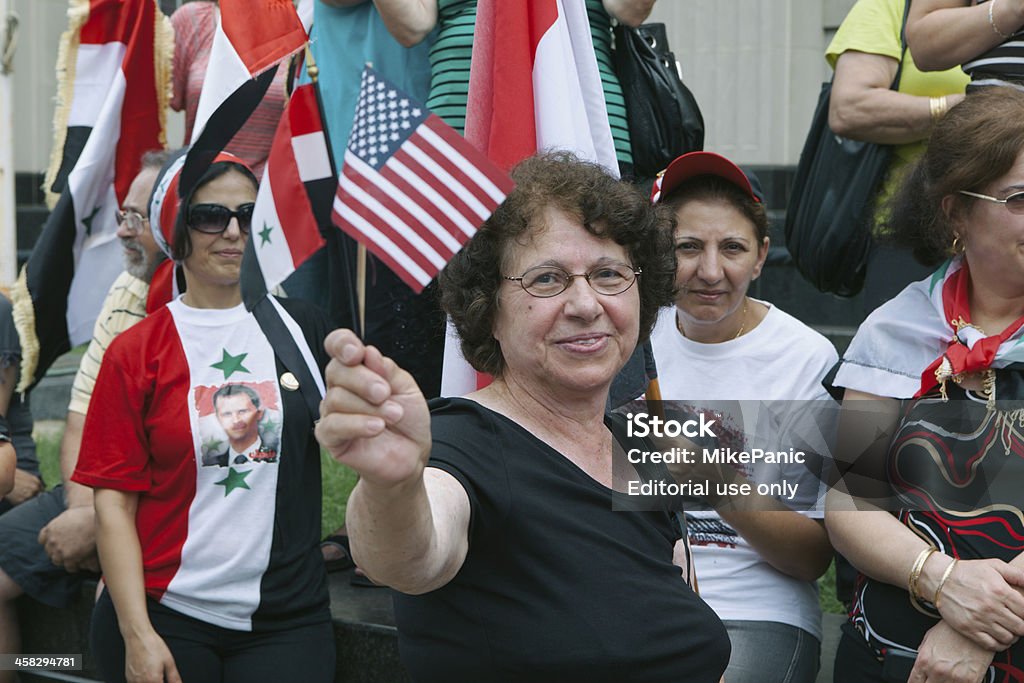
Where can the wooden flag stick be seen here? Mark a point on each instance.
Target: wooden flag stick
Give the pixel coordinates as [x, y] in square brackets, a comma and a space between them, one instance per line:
[361, 275]
[361, 286]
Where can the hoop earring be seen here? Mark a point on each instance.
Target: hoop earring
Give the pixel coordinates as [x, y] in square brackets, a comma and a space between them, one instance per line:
[958, 246]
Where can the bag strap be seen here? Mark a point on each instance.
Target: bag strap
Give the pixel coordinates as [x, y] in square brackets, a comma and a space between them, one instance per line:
[903, 47]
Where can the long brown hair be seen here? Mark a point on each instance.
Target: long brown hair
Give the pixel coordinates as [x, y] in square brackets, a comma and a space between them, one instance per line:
[978, 141]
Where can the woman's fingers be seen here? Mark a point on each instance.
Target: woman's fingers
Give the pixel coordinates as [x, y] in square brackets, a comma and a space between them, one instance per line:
[172, 675]
[373, 417]
[358, 379]
[1013, 598]
[980, 603]
[344, 346]
[335, 431]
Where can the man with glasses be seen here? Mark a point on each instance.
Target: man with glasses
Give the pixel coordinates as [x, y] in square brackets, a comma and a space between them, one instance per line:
[49, 540]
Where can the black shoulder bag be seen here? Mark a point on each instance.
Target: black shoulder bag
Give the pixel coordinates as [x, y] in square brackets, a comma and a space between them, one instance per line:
[831, 208]
[664, 119]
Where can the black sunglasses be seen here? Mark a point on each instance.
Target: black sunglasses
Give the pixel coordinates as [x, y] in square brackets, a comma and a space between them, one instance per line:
[213, 219]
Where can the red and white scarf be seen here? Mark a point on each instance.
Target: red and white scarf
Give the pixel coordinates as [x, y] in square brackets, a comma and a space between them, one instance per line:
[924, 336]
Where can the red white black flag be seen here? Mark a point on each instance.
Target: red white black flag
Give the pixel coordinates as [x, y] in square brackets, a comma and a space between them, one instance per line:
[534, 84]
[110, 52]
[252, 37]
[294, 198]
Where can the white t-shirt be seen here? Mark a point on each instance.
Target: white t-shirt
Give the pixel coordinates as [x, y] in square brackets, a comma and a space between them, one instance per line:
[761, 383]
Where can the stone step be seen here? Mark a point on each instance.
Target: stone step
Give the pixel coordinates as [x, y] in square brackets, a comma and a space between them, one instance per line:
[364, 629]
[28, 188]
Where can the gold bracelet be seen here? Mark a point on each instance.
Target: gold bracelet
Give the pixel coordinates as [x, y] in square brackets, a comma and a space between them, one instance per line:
[937, 107]
[915, 574]
[992, 20]
[942, 582]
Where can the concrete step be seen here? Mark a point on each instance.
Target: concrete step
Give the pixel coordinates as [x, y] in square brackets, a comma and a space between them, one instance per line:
[830, 624]
[28, 188]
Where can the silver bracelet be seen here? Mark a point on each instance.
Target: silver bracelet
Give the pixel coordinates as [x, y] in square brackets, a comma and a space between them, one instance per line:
[992, 20]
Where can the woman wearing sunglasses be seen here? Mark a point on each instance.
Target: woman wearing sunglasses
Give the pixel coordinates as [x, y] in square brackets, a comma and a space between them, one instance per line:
[207, 475]
[929, 507]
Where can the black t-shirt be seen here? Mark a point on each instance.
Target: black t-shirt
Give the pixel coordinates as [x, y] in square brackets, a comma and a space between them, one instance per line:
[556, 585]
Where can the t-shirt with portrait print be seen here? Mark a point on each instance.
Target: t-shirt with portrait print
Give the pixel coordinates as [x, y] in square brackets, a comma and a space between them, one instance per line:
[233, 542]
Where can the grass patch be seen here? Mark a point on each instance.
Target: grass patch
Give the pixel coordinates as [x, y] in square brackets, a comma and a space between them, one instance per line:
[827, 592]
[338, 480]
[338, 484]
[48, 452]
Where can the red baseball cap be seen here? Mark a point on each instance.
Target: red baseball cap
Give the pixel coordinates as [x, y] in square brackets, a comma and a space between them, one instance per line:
[696, 164]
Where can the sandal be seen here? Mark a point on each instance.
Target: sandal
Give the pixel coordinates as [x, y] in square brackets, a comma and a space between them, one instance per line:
[337, 564]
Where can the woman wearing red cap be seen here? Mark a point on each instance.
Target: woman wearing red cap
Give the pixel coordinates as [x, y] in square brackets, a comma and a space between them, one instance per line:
[755, 369]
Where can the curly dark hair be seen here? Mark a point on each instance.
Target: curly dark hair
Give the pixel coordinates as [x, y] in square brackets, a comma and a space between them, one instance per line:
[606, 207]
[978, 141]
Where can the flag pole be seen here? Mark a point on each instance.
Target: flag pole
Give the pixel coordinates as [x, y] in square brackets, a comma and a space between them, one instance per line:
[361, 271]
[361, 284]
[336, 240]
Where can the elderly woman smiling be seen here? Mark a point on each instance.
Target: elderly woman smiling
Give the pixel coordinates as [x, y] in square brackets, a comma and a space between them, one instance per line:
[492, 514]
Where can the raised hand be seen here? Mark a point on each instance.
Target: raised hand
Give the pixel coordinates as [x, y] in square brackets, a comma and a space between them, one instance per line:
[373, 418]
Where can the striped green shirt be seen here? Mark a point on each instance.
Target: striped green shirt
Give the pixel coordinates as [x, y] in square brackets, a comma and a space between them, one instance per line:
[452, 51]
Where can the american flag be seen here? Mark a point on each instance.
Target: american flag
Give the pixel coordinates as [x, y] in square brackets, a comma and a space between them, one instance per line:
[412, 189]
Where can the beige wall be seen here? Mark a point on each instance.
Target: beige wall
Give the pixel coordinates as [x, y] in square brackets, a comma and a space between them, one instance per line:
[755, 66]
[41, 23]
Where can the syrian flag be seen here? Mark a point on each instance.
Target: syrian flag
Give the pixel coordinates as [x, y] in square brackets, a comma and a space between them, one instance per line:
[412, 189]
[294, 198]
[252, 37]
[110, 49]
[534, 85]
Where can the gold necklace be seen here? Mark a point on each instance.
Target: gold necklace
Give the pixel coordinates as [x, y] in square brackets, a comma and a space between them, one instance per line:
[743, 320]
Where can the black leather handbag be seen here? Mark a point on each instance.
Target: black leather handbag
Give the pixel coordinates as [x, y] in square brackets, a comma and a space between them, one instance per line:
[664, 119]
[831, 207]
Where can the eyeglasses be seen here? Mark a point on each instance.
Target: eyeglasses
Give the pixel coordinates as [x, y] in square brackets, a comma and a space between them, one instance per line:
[131, 220]
[213, 219]
[547, 281]
[1014, 203]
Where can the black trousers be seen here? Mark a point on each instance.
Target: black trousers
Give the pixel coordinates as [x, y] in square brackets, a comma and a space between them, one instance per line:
[205, 653]
[856, 661]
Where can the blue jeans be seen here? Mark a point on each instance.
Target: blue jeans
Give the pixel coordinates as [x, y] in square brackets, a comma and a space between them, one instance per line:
[771, 652]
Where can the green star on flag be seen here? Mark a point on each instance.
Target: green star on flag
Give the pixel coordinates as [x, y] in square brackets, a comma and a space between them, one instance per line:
[213, 445]
[229, 364]
[234, 480]
[265, 234]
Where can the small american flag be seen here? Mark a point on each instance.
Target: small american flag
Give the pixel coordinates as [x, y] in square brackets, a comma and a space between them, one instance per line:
[412, 189]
